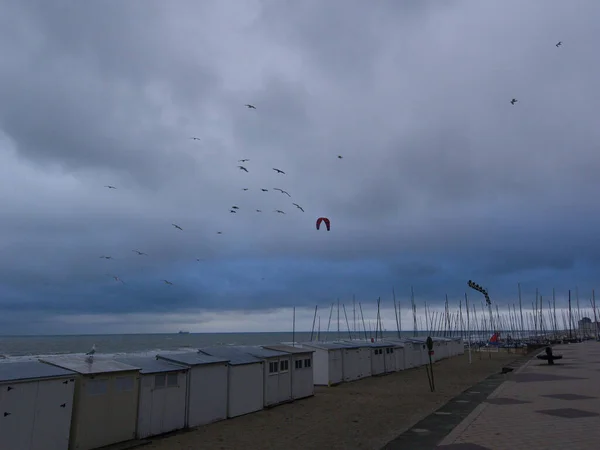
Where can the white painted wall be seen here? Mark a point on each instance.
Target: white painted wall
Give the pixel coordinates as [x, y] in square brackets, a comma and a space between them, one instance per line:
[389, 355]
[38, 414]
[162, 403]
[352, 364]
[377, 360]
[208, 390]
[324, 364]
[364, 362]
[302, 376]
[284, 385]
[246, 389]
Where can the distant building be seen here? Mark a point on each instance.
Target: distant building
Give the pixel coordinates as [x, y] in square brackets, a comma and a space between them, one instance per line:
[587, 327]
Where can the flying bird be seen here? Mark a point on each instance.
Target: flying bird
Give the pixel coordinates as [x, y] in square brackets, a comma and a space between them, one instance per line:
[109, 186]
[139, 253]
[244, 189]
[559, 43]
[106, 257]
[243, 168]
[282, 191]
[279, 211]
[340, 156]
[298, 206]
[167, 282]
[258, 210]
[219, 232]
[243, 160]
[250, 106]
[233, 211]
[264, 190]
[513, 101]
[278, 171]
[118, 279]
[235, 207]
[177, 226]
[92, 351]
[195, 138]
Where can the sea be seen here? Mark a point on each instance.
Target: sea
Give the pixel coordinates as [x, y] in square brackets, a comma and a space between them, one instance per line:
[24, 348]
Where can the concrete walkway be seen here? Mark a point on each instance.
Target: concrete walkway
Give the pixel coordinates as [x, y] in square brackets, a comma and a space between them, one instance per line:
[539, 407]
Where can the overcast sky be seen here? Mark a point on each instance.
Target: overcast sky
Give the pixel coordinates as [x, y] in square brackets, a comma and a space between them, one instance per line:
[442, 178]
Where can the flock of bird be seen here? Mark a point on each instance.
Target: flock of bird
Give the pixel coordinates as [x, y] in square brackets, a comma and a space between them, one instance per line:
[233, 209]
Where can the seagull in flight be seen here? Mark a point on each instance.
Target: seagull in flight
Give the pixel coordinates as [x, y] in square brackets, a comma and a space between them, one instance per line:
[243, 168]
[106, 257]
[298, 206]
[258, 210]
[118, 279]
[282, 191]
[264, 190]
[559, 43]
[177, 226]
[219, 232]
[243, 160]
[109, 186]
[340, 156]
[513, 101]
[235, 207]
[139, 253]
[244, 189]
[233, 211]
[167, 282]
[279, 211]
[250, 106]
[193, 138]
[92, 351]
[278, 171]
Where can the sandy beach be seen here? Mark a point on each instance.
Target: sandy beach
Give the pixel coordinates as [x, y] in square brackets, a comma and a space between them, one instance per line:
[365, 414]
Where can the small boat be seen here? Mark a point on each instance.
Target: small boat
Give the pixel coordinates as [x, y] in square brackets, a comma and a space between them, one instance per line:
[183, 332]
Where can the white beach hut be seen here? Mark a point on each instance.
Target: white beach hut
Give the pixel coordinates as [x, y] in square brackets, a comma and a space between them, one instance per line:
[36, 401]
[328, 367]
[375, 353]
[442, 347]
[458, 346]
[245, 380]
[163, 394]
[411, 357]
[206, 386]
[106, 400]
[277, 373]
[420, 351]
[301, 367]
[394, 358]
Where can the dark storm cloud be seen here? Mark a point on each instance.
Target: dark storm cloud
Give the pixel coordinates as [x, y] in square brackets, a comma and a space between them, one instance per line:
[441, 180]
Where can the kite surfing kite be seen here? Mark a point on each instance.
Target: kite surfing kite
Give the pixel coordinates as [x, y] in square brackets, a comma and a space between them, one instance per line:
[327, 223]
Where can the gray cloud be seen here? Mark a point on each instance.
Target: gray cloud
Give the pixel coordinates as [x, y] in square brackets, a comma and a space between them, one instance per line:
[441, 180]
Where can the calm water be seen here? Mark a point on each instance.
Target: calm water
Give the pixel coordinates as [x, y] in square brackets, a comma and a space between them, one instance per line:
[29, 347]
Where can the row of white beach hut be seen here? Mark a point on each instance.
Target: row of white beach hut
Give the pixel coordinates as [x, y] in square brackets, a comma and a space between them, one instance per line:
[77, 403]
[344, 361]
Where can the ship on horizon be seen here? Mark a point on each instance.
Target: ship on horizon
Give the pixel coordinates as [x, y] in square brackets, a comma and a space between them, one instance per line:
[183, 332]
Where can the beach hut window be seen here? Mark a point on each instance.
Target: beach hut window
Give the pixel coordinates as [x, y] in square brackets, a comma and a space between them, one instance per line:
[307, 362]
[274, 367]
[172, 380]
[284, 365]
[298, 363]
[124, 384]
[96, 387]
[159, 380]
[391, 350]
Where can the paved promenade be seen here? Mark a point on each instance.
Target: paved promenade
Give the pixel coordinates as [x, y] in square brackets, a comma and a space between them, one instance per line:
[539, 407]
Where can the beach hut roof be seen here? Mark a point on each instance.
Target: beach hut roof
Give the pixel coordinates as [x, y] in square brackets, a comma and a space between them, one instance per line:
[261, 352]
[82, 365]
[193, 358]
[149, 364]
[289, 349]
[395, 342]
[29, 370]
[376, 344]
[235, 356]
[330, 345]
